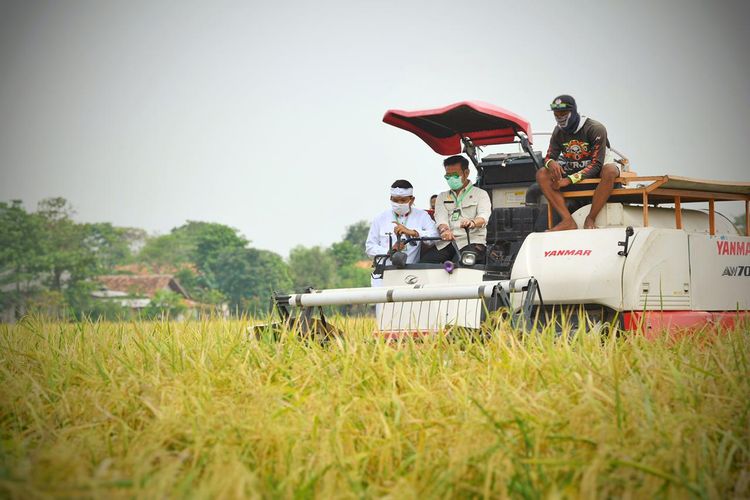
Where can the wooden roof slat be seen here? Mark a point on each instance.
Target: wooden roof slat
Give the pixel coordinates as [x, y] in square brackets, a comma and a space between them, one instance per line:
[664, 188]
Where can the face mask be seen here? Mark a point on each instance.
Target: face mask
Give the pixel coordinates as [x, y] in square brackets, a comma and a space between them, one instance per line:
[454, 182]
[562, 122]
[569, 122]
[400, 208]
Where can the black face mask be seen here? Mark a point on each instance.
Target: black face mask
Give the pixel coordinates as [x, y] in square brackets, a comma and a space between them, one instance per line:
[571, 124]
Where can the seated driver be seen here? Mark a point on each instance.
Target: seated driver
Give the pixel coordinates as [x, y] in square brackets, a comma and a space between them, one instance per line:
[401, 219]
[462, 207]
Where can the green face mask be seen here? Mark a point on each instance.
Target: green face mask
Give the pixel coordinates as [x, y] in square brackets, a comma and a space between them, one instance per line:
[454, 182]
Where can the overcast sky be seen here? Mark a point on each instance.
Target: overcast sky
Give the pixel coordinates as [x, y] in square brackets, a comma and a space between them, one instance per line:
[266, 116]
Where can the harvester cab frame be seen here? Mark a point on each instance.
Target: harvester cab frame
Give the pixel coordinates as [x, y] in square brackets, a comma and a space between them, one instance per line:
[465, 127]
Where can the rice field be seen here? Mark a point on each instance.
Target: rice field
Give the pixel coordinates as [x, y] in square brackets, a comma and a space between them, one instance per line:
[199, 409]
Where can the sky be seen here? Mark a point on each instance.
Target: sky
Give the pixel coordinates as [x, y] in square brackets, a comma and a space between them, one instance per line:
[267, 116]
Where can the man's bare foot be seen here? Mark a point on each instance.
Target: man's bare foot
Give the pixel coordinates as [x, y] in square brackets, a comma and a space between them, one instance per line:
[565, 225]
[589, 223]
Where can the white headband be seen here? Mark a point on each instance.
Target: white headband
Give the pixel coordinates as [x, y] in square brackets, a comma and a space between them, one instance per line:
[402, 192]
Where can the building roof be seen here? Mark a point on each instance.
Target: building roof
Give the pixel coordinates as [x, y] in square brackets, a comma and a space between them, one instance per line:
[151, 268]
[146, 285]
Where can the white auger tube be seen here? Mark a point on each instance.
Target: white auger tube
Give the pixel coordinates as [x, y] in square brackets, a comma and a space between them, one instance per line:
[415, 293]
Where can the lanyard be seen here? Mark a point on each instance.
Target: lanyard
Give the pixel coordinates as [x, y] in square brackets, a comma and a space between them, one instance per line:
[406, 218]
[460, 198]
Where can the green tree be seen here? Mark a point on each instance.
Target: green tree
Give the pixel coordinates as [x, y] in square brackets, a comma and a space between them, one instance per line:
[356, 234]
[111, 245]
[48, 249]
[348, 274]
[188, 278]
[211, 240]
[191, 252]
[165, 303]
[345, 253]
[194, 242]
[169, 250]
[352, 276]
[248, 277]
[20, 254]
[63, 244]
[314, 267]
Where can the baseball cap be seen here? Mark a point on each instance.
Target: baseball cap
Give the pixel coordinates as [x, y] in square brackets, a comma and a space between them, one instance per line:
[563, 103]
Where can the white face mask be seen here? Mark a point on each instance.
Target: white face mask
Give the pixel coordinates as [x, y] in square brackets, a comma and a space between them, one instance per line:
[400, 208]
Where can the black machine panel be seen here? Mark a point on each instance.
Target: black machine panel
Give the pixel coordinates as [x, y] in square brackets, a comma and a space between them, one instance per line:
[511, 222]
[508, 226]
[508, 169]
[506, 231]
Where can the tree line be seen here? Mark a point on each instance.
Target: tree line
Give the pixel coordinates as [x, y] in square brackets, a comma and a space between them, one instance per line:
[49, 263]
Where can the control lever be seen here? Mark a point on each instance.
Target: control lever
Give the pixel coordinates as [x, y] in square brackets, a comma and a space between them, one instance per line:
[624, 244]
[398, 257]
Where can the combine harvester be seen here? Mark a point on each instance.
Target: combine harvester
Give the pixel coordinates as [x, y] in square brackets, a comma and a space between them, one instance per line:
[647, 267]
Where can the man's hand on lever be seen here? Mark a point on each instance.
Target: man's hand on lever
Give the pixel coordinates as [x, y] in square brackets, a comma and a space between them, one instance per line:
[472, 223]
[445, 232]
[400, 230]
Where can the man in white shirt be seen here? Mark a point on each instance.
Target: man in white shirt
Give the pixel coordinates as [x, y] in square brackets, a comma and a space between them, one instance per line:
[402, 218]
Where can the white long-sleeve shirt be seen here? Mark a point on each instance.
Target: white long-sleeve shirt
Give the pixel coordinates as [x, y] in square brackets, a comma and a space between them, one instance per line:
[377, 238]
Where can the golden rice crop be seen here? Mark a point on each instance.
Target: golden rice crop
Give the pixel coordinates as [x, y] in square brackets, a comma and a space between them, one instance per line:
[198, 409]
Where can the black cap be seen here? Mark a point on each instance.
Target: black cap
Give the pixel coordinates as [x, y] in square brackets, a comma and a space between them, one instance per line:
[563, 103]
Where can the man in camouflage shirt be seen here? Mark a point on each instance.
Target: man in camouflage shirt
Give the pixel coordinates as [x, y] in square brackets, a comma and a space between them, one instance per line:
[578, 149]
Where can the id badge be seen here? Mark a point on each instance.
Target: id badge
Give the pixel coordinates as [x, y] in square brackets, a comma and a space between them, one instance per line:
[454, 217]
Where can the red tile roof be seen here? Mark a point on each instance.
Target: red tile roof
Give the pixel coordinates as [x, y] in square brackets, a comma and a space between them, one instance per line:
[143, 285]
[148, 269]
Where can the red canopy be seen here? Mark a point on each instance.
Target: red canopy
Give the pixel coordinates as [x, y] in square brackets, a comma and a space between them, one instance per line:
[443, 128]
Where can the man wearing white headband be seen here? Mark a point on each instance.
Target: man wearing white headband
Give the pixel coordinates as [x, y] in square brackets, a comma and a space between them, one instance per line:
[401, 219]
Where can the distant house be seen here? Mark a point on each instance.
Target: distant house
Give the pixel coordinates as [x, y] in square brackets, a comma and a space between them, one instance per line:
[139, 285]
[136, 292]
